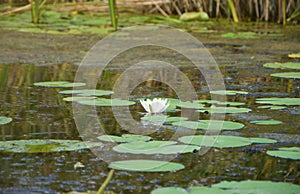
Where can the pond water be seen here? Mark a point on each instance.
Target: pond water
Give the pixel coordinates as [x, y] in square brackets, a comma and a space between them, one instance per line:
[41, 113]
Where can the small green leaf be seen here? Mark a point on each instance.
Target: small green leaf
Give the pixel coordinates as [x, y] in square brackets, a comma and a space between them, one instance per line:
[289, 153]
[271, 107]
[291, 75]
[106, 102]
[87, 92]
[59, 84]
[266, 122]
[289, 65]
[124, 138]
[223, 110]
[279, 101]
[228, 92]
[5, 120]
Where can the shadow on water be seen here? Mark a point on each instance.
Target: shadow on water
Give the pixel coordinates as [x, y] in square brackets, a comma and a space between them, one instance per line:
[41, 113]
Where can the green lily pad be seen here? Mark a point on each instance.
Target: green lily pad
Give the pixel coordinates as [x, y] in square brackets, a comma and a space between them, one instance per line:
[224, 110]
[289, 65]
[194, 105]
[231, 103]
[292, 75]
[155, 147]
[49, 145]
[146, 165]
[228, 92]
[59, 84]
[106, 102]
[168, 190]
[266, 122]
[173, 103]
[78, 98]
[253, 186]
[279, 101]
[220, 141]
[162, 118]
[5, 120]
[294, 55]
[124, 138]
[207, 190]
[87, 92]
[247, 35]
[262, 140]
[207, 101]
[289, 153]
[271, 107]
[210, 124]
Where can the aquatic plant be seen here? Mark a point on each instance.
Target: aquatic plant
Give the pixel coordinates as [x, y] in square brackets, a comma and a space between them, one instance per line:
[157, 105]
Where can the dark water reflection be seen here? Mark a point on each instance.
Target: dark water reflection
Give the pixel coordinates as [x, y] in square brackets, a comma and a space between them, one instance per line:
[41, 113]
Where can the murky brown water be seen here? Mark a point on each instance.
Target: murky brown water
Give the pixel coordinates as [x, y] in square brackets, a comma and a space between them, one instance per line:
[41, 113]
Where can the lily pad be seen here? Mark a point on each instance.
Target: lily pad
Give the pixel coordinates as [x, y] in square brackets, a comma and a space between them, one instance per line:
[253, 186]
[262, 140]
[294, 55]
[78, 98]
[168, 190]
[246, 35]
[220, 141]
[292, 75]
[146, 165]
[87, 92]
[231, 103]
[41, 145]
[173, 103]
[194, 105]
[162, 118]
[207, 190]
[289, 153]
[271, 107]
[228, 92]
[210, 124]
[279, 101]
[266, 122]
[59, 84]
[224, 110]
[289, 65]
[124, 138]
[5, 120]
[106, 102]
[155, 147]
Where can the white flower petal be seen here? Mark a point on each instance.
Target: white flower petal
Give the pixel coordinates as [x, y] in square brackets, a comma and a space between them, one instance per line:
[145, 105]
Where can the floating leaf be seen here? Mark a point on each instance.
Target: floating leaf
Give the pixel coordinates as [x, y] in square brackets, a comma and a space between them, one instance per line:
[49, 145]
[262, 140]
[162, 118]
[173, 103]
[154, 147]
[247, 35]
[266, 122]
[251, 186]
[210, 124]
[289, 153]
[124, 138]
[106, 102]
[224, 110]
[294, 55]
[5, 120]
[228, 92]
[207, 101]
[194, 105]
[220, 141]
[207, 190]
[289, 65]
[279, 101]
[231, 103]
[59, 84]
[87, 92]
[146, 165]
[292, 75]
[78, 98]
[271, 107]
[168, 190]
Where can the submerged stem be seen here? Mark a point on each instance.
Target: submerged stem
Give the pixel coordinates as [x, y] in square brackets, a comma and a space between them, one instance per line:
[105, 183]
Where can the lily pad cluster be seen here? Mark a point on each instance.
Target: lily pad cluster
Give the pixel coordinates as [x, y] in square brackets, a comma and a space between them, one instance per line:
[229, 187]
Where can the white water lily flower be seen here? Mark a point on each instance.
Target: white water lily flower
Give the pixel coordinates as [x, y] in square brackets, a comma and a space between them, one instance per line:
[157, 105]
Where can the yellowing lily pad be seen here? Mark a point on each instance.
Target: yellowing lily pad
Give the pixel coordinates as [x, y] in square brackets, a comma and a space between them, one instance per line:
[258, 186]
[289, 65]
[210, 125]
[49, 145]
[106, 102]
[155, 147]
[228, 92]
[59, 84]
[87, 92]
[124, 138]
[289, 153]
[294, 55]
[146, 165]
[5, 120]
[266, 122]
[291, 75]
